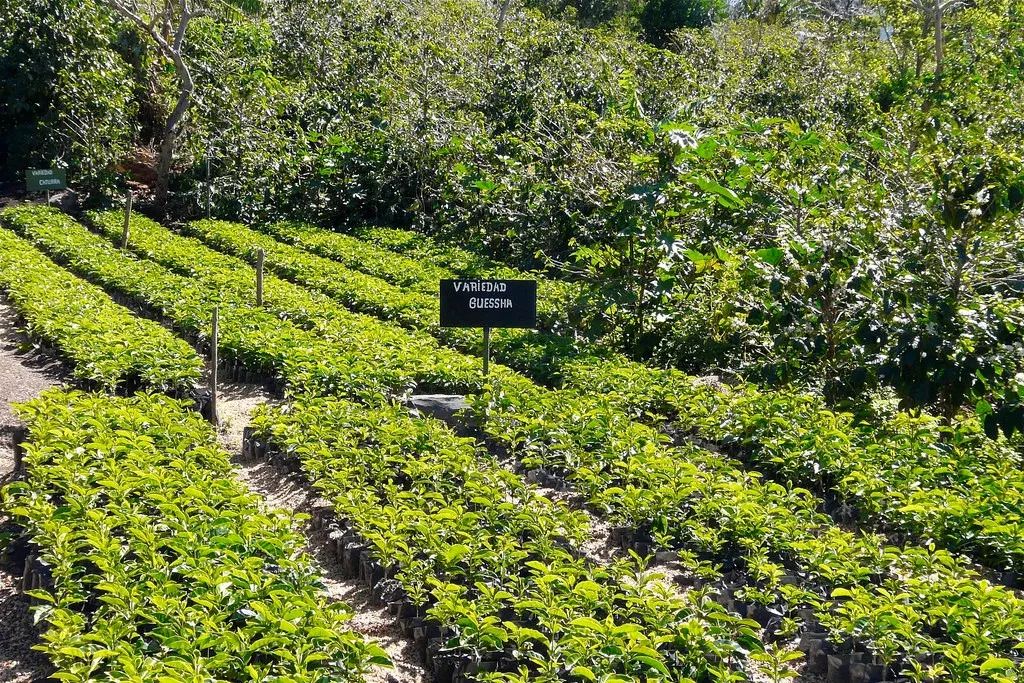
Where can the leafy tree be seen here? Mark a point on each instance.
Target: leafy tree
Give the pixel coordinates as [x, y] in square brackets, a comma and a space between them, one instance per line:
[951, 318]
[68, 95]
[165, 25]
[660, 18]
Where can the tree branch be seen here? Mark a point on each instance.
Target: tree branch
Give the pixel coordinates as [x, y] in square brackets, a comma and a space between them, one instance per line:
[148, 28]
[179, 36]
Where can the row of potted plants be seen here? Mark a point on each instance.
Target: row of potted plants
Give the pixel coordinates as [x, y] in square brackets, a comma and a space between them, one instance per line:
[359, 291]
[106, 345]
[364, 288]
[147, 560]
[416, 357]
[904, 606]
[419, 274]
[415, 261]
[911, 476]
[493, 567]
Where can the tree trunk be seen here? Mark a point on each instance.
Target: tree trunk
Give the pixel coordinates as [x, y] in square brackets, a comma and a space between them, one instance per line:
[163, 168]
[502, 14]
[166, 158]
[171, 47]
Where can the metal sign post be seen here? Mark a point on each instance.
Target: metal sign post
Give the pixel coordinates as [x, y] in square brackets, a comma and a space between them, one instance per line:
[209, 188]
[260, 258]
[214, 361]
[127, 219]
[487, 350]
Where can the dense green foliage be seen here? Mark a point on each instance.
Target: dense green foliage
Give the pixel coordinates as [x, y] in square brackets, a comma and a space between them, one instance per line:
[903, 605]
[68, 96]
[909, 476]
[796, 201]
[823, 206]
[107, 345]
[661, 18]
[787, 554]
[160, 565]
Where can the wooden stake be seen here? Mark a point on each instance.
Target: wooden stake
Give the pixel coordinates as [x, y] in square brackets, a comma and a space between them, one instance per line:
[214, 341]
[260, 257]
[209, 188]
[127, 219]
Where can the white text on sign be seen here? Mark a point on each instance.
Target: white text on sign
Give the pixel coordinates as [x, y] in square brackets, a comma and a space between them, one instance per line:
[480, 286]
[477, 302]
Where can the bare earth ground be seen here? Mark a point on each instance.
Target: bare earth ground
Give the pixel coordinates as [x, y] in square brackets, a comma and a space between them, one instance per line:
[23, 375]
[235, 403]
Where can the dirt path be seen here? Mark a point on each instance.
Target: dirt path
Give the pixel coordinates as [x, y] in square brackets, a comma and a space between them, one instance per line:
[23, 374]
[235, 403]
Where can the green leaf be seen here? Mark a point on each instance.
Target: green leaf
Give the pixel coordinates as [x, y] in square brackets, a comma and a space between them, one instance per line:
[993, 663]
[588, 623]
[772, 255]
[456, 552]
[584, 672]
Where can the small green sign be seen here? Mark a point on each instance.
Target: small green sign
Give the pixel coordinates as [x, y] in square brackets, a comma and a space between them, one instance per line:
[46, 179]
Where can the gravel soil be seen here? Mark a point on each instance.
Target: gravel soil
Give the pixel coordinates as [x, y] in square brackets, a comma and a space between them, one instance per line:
[23, 374]
[235, 403]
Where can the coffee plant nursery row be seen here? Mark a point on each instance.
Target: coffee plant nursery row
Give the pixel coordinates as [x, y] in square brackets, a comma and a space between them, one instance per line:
[540, 352]
[769, 506]
[415, 262]
[419, 274]
[348, 354]
[352, 348]
[418, 246]
[150, 562]
[491, 569]
[106, 346]
[362, 292]
[904, 475]
[911, 476]
[903, 604]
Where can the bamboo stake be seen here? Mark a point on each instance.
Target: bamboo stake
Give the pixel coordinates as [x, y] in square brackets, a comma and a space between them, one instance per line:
[127, 219]
[260, 257]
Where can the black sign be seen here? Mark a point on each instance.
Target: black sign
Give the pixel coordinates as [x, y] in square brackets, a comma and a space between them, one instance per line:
[488, 303]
